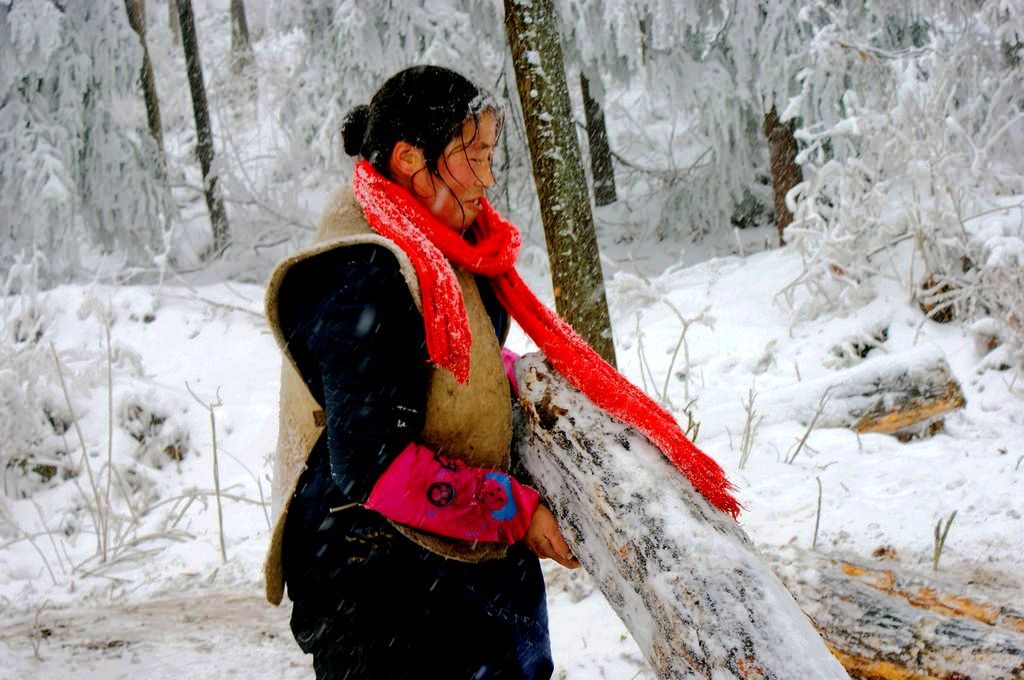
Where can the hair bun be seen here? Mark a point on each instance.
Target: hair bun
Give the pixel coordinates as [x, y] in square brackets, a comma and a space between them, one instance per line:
[353, 129]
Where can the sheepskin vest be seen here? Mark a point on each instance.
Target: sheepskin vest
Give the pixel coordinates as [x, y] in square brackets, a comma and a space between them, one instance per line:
[471, 422]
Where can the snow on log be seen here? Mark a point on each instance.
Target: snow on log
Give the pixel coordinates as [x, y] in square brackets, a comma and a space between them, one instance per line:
[885, 622]
[903, 394]
[685, 579]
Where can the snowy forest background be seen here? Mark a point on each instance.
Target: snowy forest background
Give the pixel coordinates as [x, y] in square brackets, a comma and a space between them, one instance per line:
[132, 330]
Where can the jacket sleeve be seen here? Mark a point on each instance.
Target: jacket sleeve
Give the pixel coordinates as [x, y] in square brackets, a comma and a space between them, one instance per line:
[364, 338]
[428, 491]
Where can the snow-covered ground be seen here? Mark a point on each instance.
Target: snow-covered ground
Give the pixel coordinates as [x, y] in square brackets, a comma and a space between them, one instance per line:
[165, 604]
[68, 610]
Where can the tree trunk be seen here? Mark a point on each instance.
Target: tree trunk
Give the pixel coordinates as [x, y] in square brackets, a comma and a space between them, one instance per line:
[137, 19]
[241, 50]
[684, 578]
[884, 621]
[558, 172]
[204, 137]
[172, 21]
[600, 153]
[786, 174]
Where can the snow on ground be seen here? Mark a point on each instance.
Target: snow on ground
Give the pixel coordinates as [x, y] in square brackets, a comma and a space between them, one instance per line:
[164, 603]
[164, 575]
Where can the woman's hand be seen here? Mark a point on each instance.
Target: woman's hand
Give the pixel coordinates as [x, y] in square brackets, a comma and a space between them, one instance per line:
[544, 538]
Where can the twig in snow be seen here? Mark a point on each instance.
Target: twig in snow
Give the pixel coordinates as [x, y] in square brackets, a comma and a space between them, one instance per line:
[692, 425]
[38, 633]
[817, 516]
[216, 471]
[687, 322]
[212, 303]
[749, 428]
[643, 358]
[105, 514]
[49, 534]
[96, 520]
[259, 485]
[810, 426]
[31, 539]
[941, 531]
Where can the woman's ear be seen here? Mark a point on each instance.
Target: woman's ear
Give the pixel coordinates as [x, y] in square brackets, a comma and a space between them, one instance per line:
[406, 160]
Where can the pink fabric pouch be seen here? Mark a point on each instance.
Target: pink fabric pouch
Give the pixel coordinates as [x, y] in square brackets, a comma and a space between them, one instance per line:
[431, 492]
[509, 358]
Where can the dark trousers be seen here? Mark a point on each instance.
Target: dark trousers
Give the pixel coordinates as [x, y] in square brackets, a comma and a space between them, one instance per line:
[403, 612]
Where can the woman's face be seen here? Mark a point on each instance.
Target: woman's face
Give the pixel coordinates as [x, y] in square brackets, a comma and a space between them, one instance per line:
[463, 174]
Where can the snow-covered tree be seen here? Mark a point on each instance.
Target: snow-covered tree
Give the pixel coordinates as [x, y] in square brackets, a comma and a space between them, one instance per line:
[710, 72]
[352, 47]
[913, 123]
[81, 180]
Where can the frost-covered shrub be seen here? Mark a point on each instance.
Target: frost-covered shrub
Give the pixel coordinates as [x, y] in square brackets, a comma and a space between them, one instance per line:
[161, 437]
[34, 436]
[80, 177]
[921, 142]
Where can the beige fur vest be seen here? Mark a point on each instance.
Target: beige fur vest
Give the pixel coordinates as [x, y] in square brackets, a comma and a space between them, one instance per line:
[470, 422]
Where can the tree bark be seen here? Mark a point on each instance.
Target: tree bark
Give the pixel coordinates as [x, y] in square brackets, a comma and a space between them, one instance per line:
[136, 10]
[241, 49]
[558, 172]
[885, 622]
[204, 136]
[600, 153]
[684, 577]
[688, 584]
[172, 21]
[786, 174]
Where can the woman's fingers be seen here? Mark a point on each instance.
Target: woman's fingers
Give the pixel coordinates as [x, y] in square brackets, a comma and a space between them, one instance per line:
[545, 539]
[559, 552]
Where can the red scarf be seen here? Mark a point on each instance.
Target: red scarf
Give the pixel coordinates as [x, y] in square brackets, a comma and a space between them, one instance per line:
[432, 247]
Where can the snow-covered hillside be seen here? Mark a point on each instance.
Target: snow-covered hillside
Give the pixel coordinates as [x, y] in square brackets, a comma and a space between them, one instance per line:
[166, 340]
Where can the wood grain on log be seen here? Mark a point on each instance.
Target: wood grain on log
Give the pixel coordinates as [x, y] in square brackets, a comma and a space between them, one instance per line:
[913, 409]
[885, 622]
[904, 394]
[685, 579]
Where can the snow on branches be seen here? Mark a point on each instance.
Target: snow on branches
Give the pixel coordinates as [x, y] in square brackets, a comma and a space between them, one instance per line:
[80, 177]
[912, 130]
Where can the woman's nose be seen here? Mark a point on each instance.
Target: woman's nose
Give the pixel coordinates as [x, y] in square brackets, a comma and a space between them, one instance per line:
[486, 177]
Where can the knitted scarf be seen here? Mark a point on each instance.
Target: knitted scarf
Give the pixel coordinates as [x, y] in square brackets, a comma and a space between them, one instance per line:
[432, 247]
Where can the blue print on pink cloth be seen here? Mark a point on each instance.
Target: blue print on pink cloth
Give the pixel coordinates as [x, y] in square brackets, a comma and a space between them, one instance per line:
[508, 510]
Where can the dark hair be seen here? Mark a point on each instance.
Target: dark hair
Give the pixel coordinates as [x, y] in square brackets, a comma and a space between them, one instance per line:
[425, 106]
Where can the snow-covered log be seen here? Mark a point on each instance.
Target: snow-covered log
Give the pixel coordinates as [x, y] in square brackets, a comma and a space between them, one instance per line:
[685, 579]
[902, 394]
[884, 621]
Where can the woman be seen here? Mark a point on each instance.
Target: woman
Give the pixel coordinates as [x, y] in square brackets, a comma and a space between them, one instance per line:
[406, 546]
[393, 534]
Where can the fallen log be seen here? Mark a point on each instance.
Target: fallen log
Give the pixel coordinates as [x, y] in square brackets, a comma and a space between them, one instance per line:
[885, 622]
[685, 579]
[905, 394]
